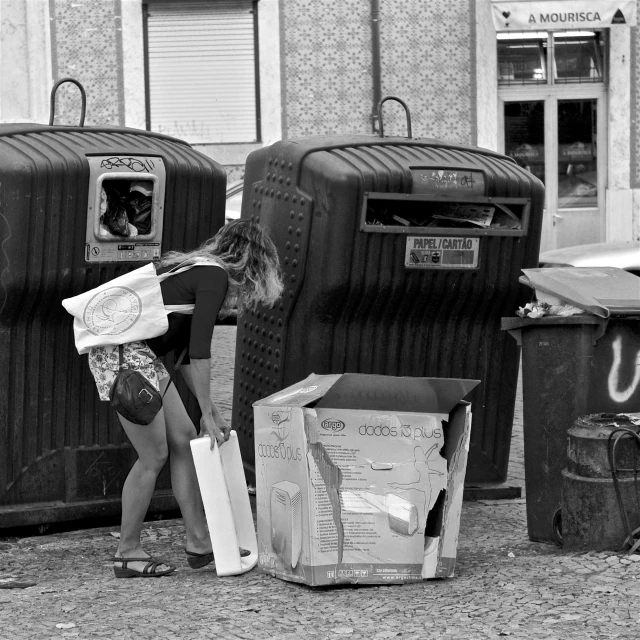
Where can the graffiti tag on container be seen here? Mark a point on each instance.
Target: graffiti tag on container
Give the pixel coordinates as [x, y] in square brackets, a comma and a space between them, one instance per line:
[447, 180]
[133, 164]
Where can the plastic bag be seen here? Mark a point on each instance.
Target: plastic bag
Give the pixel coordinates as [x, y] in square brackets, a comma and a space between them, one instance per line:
[115, 217]
[140, 212]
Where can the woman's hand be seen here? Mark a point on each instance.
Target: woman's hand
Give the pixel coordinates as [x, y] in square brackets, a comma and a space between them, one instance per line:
[197, 375]
[221, 423]
[215, 427]
[208, 427]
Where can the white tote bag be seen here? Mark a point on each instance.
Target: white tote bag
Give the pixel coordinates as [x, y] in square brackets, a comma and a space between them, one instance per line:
[125, 309]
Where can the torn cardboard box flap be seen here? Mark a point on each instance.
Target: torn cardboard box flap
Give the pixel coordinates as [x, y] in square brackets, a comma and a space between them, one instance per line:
[360, 478]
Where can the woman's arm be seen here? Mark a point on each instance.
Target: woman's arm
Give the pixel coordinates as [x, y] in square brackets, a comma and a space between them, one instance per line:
[197, 375]
[210, 287]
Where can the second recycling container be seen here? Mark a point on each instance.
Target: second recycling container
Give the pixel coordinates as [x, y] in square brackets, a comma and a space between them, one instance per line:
[400, 255]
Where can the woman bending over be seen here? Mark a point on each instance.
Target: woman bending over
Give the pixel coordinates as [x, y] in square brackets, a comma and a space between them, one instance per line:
[236, 269]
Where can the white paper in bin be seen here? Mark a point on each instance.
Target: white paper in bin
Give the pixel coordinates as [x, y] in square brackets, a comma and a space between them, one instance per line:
[226, 504]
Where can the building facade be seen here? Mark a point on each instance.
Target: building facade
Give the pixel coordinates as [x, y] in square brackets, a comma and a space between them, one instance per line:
[555, 83]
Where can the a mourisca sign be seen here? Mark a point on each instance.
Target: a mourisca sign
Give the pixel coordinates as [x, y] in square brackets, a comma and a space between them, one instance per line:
[551, 15]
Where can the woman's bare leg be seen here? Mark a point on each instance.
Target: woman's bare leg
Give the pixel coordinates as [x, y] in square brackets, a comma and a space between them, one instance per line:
[184, 482]
[150, 443]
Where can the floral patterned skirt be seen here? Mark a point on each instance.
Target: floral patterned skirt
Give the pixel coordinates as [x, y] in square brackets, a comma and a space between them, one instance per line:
[104, 365]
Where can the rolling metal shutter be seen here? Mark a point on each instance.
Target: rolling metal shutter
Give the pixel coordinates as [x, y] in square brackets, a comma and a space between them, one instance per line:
[202, 71]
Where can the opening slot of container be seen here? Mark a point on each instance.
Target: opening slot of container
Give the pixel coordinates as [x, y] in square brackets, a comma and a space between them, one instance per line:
[479, 215]
[126, 207]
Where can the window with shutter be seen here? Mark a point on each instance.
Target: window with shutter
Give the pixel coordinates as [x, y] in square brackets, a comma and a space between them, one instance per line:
[201, 71]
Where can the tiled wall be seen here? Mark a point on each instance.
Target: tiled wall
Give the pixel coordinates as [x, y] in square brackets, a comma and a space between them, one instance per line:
[425, 58]
[86, 45]
[234, 172]
[426, 61]
[327, 67]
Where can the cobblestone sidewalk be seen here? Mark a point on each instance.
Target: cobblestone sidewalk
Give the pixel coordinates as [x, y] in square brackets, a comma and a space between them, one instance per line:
[505, 586]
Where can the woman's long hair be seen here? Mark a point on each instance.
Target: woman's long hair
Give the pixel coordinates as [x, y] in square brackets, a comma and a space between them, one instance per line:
[244, 250]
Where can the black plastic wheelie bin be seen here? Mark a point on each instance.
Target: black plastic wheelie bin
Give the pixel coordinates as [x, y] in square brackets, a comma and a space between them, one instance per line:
[63, 454]
[400, 256]
[571, 367]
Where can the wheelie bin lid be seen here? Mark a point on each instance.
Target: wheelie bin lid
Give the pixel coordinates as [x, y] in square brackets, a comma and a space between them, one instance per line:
[601, 291]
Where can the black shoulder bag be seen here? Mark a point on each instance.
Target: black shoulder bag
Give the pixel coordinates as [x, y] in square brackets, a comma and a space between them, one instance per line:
[133, 396]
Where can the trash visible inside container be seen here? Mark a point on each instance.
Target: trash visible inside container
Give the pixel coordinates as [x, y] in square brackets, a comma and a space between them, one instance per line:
[125, 208]
[442, 214]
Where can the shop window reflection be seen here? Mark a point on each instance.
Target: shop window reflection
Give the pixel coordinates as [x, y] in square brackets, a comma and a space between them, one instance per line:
[524, 135]
[522, 60]
[574, 57]
[578, 57]
[577, 154]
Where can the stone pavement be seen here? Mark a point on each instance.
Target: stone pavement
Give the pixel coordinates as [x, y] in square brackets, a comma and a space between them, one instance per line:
[506, 585]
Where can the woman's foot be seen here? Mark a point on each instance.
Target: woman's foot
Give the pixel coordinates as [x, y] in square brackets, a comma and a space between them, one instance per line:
[198, 560]
[198, 549]
[140, 564]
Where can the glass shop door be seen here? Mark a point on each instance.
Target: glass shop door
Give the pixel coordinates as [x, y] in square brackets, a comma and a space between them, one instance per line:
[560, 140]
[553, 122]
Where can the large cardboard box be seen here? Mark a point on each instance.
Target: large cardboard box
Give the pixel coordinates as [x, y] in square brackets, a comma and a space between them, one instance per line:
[360, 478]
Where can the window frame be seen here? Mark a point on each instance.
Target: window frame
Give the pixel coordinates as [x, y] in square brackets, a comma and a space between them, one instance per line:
[256, 71]
[603, 36]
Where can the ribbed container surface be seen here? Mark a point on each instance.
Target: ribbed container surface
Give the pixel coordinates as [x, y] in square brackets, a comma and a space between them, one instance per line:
[350, 303]
[62, 452]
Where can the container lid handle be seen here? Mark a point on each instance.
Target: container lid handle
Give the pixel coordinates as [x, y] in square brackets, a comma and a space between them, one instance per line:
[52, 111]
[406, 109]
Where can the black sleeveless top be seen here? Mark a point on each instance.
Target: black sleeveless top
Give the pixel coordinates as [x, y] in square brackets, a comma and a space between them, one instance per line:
[206, 287]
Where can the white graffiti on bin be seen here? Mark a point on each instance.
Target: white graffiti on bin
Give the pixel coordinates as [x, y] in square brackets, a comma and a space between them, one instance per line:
[616, 394]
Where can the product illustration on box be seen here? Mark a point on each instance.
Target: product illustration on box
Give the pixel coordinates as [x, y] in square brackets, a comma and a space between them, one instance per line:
[403, 516]
[356, 490]
[286, 522]
[406, 504]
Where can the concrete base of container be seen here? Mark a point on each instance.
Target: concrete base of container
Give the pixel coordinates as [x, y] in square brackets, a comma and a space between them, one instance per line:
[501, 491]
[46, 517]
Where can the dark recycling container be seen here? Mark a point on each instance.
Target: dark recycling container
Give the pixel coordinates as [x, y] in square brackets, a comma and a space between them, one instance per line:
[571, 367]
[63, 455]
[383, 276]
